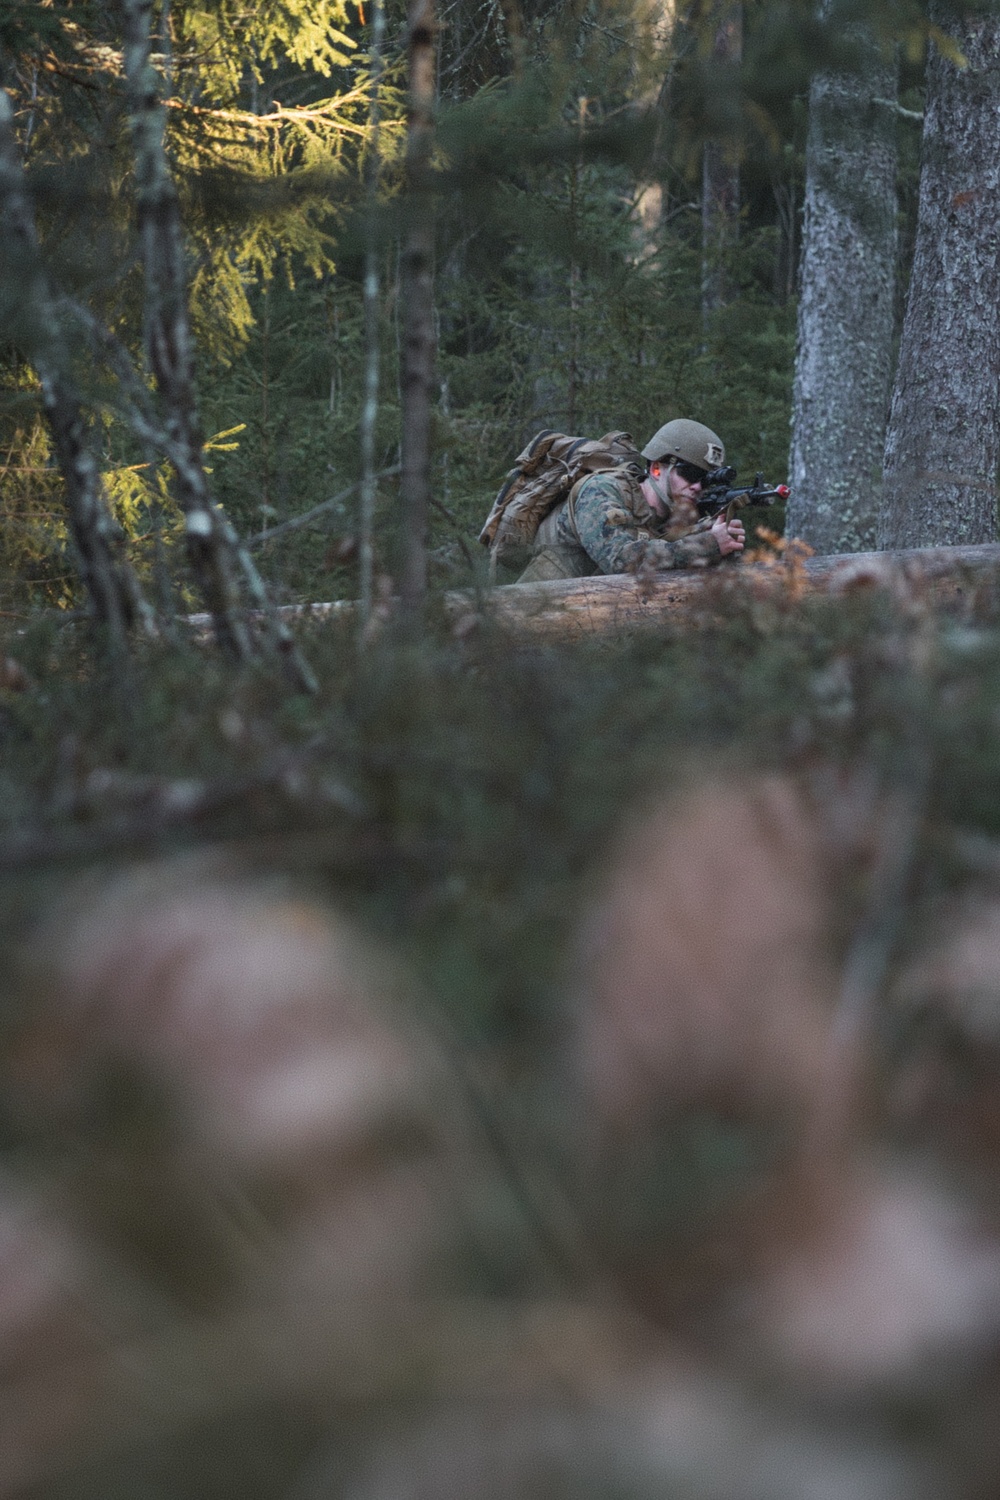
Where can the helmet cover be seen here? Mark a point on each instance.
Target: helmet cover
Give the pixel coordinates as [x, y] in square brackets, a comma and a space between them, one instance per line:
[691, 441]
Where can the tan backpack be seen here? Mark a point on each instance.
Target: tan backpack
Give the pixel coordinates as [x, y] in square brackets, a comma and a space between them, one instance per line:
[543, 474]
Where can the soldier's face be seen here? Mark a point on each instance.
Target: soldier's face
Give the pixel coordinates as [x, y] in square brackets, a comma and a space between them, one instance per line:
[685, 481]
[674, 487]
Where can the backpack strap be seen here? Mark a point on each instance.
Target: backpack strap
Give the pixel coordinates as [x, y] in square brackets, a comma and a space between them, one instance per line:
[538, 438]
[571, 505]
[530, 457]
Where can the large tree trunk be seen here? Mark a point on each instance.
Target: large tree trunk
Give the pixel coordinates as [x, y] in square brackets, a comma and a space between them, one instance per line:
[417, 277]
[720, 184]
[219, 564]
[114, 596]
[942, 445]
[843, 364]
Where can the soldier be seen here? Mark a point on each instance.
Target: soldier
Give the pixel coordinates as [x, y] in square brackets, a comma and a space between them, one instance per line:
[629, 517]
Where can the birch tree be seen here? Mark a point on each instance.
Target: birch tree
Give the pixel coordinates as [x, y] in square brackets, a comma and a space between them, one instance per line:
[845, 318]
[941, 448]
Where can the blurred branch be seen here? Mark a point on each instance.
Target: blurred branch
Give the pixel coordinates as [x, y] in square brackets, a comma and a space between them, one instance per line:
[221, 566]
[310, 517]
[125, 810]
[350, 1356]
[870, 953]
[871, 949]
[112, 587]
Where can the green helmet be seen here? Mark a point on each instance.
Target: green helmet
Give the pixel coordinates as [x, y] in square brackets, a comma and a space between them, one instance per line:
[690, 441]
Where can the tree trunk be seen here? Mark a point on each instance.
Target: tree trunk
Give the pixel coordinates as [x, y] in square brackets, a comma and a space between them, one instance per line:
[369, 409]
[844, 358]
[720, 186]
[417, 290]
[218, 562]
[115, 598]
[942, 445]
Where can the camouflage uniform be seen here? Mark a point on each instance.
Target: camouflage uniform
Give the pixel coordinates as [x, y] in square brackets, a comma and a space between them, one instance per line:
[607, 526]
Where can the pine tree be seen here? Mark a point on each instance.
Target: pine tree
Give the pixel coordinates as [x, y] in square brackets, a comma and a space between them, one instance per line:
[845, 316]
[941, 449]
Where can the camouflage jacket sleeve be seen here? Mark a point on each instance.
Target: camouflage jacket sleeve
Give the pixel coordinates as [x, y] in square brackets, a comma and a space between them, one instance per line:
[610, 535]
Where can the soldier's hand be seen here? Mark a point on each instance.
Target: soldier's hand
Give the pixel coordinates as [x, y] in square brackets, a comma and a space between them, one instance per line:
[730, 535]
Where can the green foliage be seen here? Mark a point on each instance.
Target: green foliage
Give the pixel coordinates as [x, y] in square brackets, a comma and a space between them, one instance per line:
[33, 531]
[214, 45]
[263, 186]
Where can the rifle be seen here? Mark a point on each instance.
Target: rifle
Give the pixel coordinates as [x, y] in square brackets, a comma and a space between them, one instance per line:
[717, 496]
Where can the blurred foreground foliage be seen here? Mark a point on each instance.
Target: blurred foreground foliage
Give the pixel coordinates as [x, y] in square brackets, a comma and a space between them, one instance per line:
[758, 1256]
[460, 795]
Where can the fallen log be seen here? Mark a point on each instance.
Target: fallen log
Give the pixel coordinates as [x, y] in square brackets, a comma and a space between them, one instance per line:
[566, 608]
[947, 577]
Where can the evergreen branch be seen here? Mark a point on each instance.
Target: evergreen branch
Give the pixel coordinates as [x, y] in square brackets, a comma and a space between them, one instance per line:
[358, 95]
[73, 72]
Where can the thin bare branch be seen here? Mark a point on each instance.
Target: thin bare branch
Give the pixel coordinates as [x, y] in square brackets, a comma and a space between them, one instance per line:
[318, 512]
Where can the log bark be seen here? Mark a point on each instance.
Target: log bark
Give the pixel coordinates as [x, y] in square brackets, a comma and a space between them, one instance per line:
[843, 363]
[575, 608]
[943, 440]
